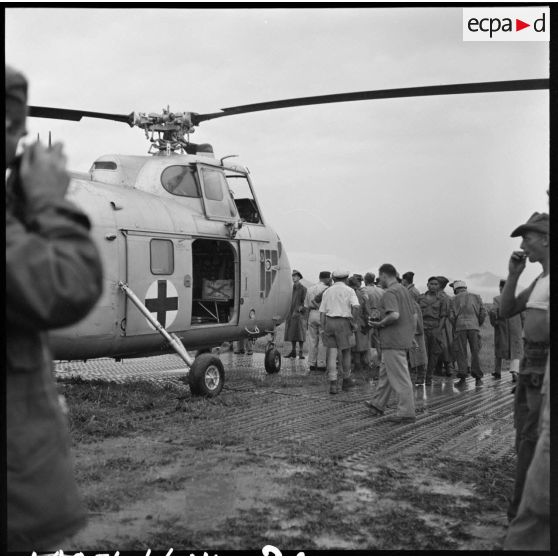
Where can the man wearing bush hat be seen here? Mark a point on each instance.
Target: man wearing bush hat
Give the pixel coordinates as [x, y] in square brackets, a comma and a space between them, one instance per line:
[338, 313]
[534, 301]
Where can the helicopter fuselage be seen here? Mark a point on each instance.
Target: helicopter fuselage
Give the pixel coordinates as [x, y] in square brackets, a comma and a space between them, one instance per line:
[186, 234]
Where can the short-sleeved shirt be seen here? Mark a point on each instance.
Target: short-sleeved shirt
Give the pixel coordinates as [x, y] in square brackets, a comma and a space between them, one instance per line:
[398, 335]
[337, 301]
[312, 293]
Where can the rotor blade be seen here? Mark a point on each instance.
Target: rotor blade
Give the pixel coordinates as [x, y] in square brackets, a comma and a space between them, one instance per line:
[76, 115]
[458, 88]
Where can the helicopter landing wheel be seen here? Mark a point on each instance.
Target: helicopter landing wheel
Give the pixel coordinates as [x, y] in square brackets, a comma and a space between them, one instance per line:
[207, 376]
[272, 360]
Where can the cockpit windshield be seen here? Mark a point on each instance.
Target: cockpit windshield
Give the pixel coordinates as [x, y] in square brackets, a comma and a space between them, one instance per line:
[181, 180]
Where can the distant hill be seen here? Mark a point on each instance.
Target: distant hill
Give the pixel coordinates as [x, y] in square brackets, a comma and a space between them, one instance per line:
[485, 284]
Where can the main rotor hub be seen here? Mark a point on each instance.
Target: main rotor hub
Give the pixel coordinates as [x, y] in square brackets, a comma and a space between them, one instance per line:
[167, 131]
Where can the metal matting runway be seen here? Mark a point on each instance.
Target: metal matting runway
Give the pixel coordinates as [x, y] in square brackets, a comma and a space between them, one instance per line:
[298, 415]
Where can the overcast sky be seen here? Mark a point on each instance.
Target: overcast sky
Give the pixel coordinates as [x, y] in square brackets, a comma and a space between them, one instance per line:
[433, 185]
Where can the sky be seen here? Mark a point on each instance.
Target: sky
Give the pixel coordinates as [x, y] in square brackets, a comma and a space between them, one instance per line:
[432, 185]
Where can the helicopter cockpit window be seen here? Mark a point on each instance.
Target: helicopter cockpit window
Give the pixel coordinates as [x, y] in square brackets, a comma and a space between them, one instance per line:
[244, 198]
[180, 180]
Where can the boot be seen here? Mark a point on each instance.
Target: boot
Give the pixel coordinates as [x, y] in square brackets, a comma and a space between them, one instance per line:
[333, 387]
[300, 355]
[348, 383]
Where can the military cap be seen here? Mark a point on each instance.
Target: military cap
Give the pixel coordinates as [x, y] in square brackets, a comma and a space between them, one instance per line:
[538, 222]
[296, 272]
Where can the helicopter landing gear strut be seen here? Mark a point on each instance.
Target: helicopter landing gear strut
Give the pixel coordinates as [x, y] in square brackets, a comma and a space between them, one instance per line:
[206, 374]
[272, 360]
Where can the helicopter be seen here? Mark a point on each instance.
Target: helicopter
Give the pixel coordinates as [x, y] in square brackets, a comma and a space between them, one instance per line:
[189, 259]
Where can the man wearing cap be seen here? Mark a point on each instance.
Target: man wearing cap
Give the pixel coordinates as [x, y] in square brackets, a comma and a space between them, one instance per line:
[373, 297]
[312, 301]
[435, 310]
[360, 352]
[407, 281]
[53, 279]
[295, 330]
[467, 316]
[397, 329]
[508, 343]
[338, 314]
[534, 301]
[447, 357]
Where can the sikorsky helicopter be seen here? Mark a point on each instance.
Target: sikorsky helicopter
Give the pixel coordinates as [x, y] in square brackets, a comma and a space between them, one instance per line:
[189, 259]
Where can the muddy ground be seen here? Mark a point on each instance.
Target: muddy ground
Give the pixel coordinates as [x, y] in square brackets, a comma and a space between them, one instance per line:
[277, 460]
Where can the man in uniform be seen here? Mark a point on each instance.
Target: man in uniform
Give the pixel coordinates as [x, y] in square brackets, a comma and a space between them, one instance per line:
[508, 343]
[397, 328]
[407, 281]
[295, 330]
[435, 310]
[444, 364]
[534, 301]
[467, 316]
[53, 279]
[312, 301]
[338, 314]
[373, 297]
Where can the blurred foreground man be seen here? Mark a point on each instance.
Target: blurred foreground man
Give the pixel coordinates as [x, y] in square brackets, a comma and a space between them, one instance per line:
[53, 279]
[536, 340]
[397, 329]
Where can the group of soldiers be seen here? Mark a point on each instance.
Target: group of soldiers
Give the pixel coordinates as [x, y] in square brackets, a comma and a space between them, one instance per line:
[445, 327]
[426, 332]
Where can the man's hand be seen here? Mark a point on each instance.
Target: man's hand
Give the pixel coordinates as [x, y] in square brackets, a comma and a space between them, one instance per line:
[374, 324]
[517, 262]
[43, 174]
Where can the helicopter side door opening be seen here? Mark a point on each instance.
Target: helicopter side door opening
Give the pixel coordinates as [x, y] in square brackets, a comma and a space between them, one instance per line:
[215, 277]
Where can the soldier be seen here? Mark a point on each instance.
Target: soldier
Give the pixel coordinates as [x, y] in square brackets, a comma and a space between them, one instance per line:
[534, 301]
[295, 330]
[361, 350]
[467, 316]
[397, 328]
[53, 279]
[507, 338]
[446, 359]
[312, 301]
[435, 310]
[407, 281]
[338, 313]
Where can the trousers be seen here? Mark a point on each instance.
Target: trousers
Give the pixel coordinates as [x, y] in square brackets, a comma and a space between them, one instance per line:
[394, 377]
[530, 529]
[316, 349]
[434, 349]
[470, 336]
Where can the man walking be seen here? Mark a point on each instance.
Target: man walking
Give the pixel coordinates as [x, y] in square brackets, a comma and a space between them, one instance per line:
[397, 328]
[467, 316]
[508, 343]
[295, 332]
[316, 349]
[338, 313]
[435, 310]
[534, 301]
[53, 279]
